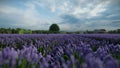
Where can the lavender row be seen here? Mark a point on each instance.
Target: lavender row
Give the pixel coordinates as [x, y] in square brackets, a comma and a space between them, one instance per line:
[57, 51]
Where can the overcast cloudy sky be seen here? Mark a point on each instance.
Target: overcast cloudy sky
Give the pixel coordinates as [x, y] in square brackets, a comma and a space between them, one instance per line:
[70, 15]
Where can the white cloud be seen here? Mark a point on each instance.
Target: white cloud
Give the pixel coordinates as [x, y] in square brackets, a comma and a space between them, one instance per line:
[103, 24]
[82, 8]
[53, 8]
[27, 17]
[113, 15]
[64, 7]
[90, 10]
[98, 9]
[47, 4]
[65, 26]
[79, 8]
[9, 10]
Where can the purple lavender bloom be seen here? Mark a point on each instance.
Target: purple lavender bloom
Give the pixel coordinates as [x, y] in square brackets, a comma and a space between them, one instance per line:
[84, 65]
[112, 64]
[97, 50]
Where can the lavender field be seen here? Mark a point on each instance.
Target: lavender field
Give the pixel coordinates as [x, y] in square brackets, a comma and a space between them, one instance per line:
[60, 51]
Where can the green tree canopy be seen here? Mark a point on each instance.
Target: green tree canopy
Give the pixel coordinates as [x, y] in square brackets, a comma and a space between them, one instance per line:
[54, 28]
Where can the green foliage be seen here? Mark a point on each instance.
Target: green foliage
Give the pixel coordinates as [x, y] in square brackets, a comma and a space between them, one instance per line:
[116, 56]
[23, 64]
[40, 32]
[5, 66]
[65, 57]
[21, 31]
[73, 66]
[2, 45]
[0, 49]
[54, 28]
[29, 31]
[19, 45]
[15, 31]
[40, 49]
[114, 31]
[94, 48]
[78, 57]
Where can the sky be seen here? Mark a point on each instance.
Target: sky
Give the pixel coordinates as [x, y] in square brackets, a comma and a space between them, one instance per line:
[70, 15]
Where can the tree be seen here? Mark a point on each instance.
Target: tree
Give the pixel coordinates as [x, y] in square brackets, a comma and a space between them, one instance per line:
[118, 30]
[8, 31]
[21, 31]
[13, 31]
[54, 28]
[27, 31]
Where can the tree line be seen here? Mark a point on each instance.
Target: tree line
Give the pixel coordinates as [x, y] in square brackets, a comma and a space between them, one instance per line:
[114, 31]
[15, 31]
[54, 28]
